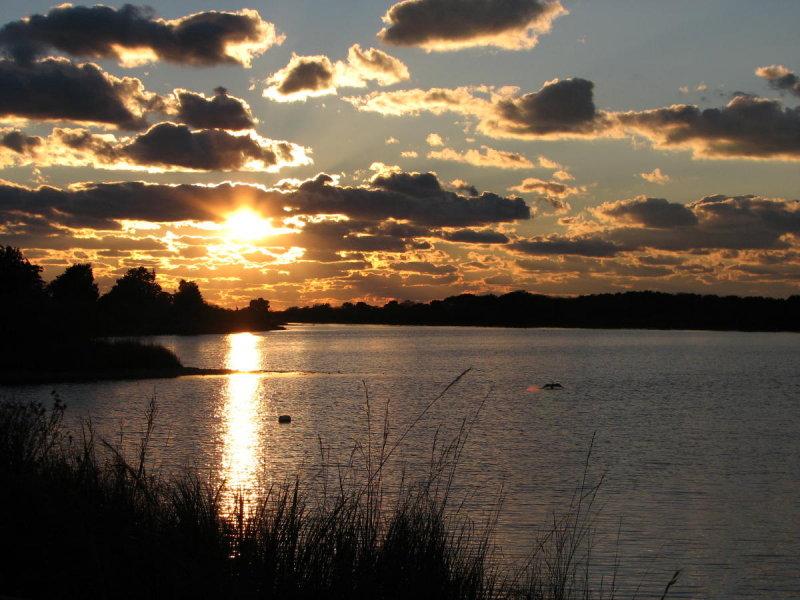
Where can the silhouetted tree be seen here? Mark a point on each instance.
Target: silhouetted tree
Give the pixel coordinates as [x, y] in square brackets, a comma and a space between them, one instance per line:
[189, 312]
[22, 295]
[136, 304]
[74, 294]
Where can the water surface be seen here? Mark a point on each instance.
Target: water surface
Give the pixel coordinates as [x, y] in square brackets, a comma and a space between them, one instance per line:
[698, 433]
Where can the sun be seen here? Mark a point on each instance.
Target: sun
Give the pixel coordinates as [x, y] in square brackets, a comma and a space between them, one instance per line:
[246, 225]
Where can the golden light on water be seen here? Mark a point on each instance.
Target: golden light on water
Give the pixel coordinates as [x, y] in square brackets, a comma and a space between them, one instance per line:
[242, 419]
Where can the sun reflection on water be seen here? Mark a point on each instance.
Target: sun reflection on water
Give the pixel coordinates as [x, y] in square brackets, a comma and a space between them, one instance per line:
[242, 421]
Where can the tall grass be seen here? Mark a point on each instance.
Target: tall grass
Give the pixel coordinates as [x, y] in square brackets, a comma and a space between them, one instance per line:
[80, 519]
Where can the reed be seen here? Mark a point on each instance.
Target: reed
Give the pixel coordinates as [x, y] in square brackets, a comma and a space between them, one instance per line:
[80, 519]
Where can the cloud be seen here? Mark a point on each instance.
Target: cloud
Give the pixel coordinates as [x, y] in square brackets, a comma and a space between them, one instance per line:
[485, 157]
[562, 108]
[415, 197]
[579, 246]
[712, 223]
[311, 76]
[655, 176]
[455, 24]
[133, 36]
[435, 100]
[58, 90]
[374, 64]
[17, 147]
[554, 189]
[165, 147]
[220, 112]
[649, 212]
[409, 154]
[747, 127]
[395, 205]
[553, 193]
[434, 139]
[780, 78]
[471, 236]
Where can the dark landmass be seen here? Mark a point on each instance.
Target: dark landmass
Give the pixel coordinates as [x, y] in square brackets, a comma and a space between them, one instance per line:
[57, 331]
[71, 306]
[629, 310]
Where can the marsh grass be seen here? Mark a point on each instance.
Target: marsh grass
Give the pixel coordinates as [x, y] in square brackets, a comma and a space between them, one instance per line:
[80, 519]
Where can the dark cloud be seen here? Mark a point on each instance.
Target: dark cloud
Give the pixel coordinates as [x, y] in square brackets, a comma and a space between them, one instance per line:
[374, 213]
[305, 74]
[712, 223]
[748, 127]
[470, 236]
[453, 24]
[133, 35]
[580, 246]
[423, 267]
[780, 78]
[220, 112]
[99, 205]
[650, 212]
[168, 145]
[59, 90]
[19, 142]
[560, 107]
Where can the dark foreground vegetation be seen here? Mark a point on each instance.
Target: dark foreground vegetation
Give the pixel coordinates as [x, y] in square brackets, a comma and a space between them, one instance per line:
[71, 306]
[629, 310]
[54, 331]
[80, 519]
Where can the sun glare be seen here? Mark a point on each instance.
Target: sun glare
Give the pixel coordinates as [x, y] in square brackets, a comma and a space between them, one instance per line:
[247, 225]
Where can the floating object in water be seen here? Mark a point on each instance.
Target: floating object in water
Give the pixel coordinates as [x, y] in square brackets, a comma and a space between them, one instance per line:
[284, 419]
[552, 386]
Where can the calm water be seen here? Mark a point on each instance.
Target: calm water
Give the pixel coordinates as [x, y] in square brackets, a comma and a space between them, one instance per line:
[698, 433]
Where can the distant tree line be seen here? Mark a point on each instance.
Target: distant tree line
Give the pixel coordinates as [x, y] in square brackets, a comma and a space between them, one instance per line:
[629, 310]
[71, 305]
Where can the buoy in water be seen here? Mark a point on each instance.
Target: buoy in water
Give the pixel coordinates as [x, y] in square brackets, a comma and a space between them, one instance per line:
[284, 419]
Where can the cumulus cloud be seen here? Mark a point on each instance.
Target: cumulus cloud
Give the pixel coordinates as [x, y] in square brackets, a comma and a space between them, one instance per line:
[167, 145]
[579, 246]
[780, 78]
[747, 127]
[134, 36]
[472, 236]
[455, 24]
[393, 206]
[553, 193]
[18, 147]
[712, 223]
[649, 212]
[416, 197]
[485, 157]
[164, 147]
[562, 108]
[59, 90]
[434, 139]
[220, 112]
[310, 76]
[460, 100]
[548, 188]
[655, 176]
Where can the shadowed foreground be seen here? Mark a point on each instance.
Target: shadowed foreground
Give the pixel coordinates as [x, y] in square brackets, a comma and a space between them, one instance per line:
[82, 520]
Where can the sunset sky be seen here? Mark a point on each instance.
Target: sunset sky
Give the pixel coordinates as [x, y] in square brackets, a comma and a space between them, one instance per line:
[329, 151]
